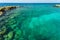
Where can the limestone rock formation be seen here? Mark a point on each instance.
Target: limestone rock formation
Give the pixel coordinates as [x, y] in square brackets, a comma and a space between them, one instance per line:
[7, 8]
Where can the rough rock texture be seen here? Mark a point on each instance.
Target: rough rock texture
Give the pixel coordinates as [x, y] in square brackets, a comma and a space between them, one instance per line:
[8, 25]
[7, 8]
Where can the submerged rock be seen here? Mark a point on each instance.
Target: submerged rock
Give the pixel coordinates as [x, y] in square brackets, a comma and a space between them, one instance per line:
[7, 28]
[2, 30]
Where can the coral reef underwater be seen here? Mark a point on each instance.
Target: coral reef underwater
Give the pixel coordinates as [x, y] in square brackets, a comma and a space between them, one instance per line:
[29, 23]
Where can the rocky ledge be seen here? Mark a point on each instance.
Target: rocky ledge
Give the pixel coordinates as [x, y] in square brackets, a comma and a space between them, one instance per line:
[6, 8]
[8, 26]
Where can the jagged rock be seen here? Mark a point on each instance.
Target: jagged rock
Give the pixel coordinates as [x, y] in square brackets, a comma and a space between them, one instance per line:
[7, 8]
[10, 7]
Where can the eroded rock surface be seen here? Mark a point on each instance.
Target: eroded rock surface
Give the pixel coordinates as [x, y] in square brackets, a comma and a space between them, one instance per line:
[8, 24]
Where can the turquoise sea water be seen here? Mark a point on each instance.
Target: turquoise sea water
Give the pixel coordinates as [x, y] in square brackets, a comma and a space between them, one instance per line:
[32, 22]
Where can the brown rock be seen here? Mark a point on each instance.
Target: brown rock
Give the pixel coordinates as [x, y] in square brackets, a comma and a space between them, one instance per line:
[1, 13]
[10, 7]
[6, 8]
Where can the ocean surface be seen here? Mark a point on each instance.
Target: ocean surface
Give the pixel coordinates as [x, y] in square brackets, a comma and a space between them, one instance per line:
[27, 4]
[31, 21]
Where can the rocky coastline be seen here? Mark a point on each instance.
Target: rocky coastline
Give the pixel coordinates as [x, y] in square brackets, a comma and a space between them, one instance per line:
[7, 32]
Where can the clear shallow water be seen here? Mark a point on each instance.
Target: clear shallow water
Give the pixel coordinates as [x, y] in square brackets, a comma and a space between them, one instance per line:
[33, 22]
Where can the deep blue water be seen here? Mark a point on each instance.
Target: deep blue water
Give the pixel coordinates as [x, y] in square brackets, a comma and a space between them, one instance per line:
[23, 4]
